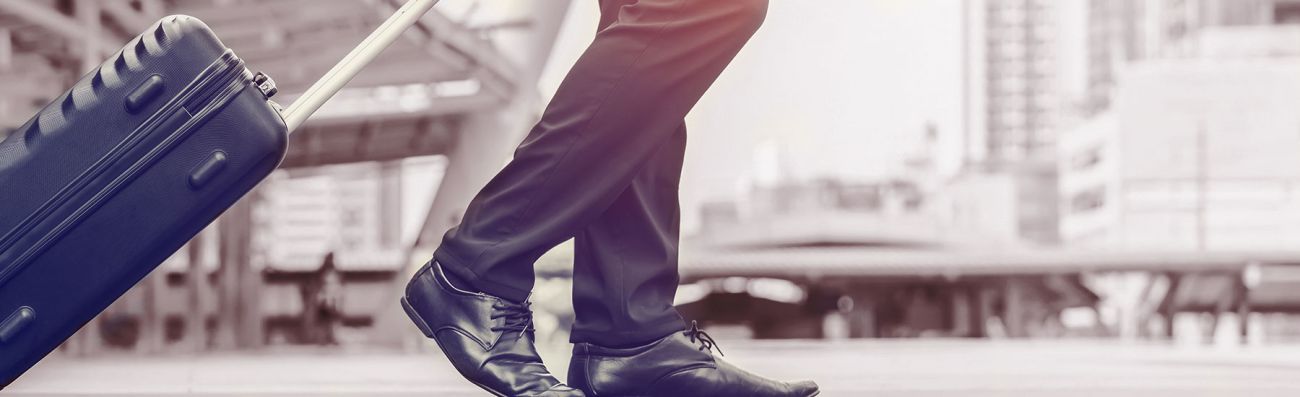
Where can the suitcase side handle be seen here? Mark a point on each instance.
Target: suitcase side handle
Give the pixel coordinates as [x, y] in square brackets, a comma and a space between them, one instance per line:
[362, 55]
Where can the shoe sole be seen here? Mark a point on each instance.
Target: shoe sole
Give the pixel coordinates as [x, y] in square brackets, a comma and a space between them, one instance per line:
[814, 394]
[415, 318]
[428, 332]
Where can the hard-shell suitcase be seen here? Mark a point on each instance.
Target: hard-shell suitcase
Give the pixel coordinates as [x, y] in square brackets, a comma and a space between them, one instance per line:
[113, 177]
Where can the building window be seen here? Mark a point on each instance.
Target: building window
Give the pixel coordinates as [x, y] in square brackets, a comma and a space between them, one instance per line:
[1088, 159]
[1088, 200]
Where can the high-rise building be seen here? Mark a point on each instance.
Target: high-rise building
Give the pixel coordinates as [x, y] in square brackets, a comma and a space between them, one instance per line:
[1112, 39]
[1014, 102]
[1011, 67]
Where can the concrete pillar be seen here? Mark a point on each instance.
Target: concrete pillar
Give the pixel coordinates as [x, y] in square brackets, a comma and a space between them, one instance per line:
[88, 13]
[87, 340]
[239, 323]
[390, 175]
[962, 311]
[196, 280]
[152, 324]
[1169, 308]
[859, 311]
[1231, 307]
[252, 324]
[1242, 301]
[1015, 308]
[1257, 329]
[252, 328]
[227, 281]
[986, 296]
[6, 50]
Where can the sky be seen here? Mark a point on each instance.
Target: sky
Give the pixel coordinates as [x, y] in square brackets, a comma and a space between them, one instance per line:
[833, 88]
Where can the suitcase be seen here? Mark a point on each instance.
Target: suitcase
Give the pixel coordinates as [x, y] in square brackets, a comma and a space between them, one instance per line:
[117, 174]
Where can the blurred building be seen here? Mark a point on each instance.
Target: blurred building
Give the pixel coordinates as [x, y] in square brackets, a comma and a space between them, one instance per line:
[1012, 60]
[1175, 28]
[1119, 33]
[1197, 147]
[1037, 68]
[1124, 31]
[1015, 84]
[1017, 201]
[1195, 155]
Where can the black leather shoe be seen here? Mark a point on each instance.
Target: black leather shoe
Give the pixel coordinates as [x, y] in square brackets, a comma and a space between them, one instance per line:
[488, 339]
[679, 365]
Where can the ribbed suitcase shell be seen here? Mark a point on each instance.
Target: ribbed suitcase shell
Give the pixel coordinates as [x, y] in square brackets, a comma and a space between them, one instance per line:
[117, 174]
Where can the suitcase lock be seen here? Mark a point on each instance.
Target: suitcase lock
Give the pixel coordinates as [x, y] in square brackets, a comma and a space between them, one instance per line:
[265, 84]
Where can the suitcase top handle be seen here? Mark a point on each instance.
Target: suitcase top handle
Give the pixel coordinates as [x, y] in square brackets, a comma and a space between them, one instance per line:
[362, 55]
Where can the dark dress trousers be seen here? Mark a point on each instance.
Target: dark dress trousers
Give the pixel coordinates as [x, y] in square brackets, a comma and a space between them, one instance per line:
[603, 166]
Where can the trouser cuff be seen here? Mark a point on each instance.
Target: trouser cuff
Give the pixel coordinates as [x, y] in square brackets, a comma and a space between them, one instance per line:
[643, 334]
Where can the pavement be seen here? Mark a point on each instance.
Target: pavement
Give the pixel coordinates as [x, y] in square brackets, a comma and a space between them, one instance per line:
[916, 368]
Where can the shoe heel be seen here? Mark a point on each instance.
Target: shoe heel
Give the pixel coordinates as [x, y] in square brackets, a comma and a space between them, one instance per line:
[415, 318]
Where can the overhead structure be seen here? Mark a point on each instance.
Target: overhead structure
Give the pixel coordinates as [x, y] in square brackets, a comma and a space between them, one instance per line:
[406, 104]
[50, 19]
[46, 45]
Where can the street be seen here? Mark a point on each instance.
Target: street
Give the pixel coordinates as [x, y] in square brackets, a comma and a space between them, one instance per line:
[928, 368]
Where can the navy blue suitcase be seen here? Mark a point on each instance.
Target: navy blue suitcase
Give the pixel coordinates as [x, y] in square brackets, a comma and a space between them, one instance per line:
[117, 174]
[139, 156]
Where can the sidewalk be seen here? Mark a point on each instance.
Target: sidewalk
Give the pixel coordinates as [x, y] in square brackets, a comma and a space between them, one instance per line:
[926, 368]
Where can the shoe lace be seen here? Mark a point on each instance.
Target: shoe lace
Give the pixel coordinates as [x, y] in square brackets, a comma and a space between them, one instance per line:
[698, 335]
[518, 317]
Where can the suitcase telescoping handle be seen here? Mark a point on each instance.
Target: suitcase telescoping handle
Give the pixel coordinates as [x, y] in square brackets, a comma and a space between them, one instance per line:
[362, 55]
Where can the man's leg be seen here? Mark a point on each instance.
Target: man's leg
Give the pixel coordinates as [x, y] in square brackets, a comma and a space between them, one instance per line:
[623, 100]
[625, 278]
[625, 262]
[627, 334]
[622, 103]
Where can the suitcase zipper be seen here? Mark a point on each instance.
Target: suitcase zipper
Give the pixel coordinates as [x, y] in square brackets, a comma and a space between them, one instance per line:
[227, 70]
